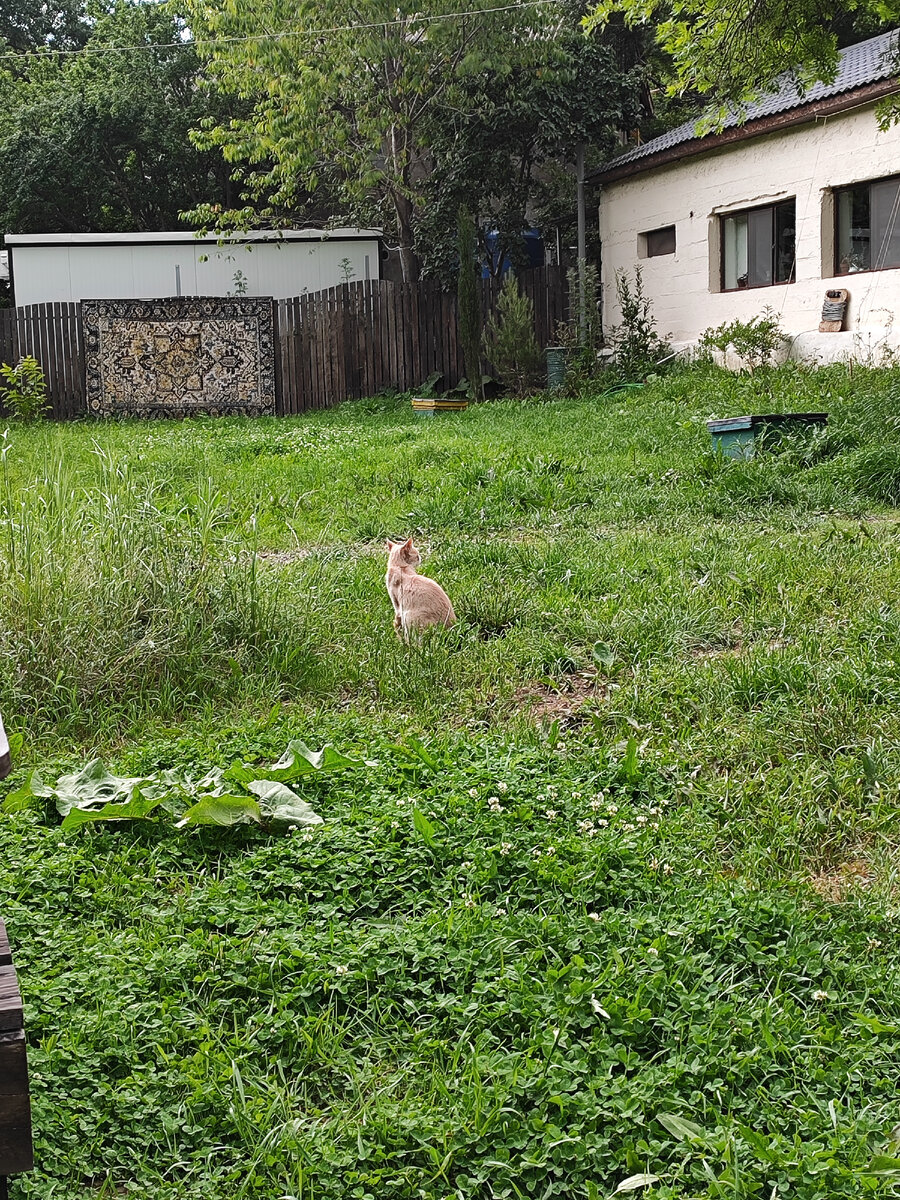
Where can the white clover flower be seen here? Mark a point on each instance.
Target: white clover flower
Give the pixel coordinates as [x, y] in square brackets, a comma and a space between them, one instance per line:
[494, 804]
[550, 850]
[602, 823]
[502, 787]
[469, 902]
[612, 808]
[541, 798]
[551, 814]
[473, 792]
[667, 869]
[594, 916]
[873, 943]
[505, 847]
[536, 852]
[818, 994]
[597, 802]
[654, 864]
[395, 824]
[501, 912]
[628, 827]
[576, 795]
[341, 970]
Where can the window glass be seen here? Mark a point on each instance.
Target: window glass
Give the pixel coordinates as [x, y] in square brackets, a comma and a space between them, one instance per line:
[883, 204]
[660, 241]
[868, 226]
[734, 245]
[854, 238]
[785, 242]
[759, 246]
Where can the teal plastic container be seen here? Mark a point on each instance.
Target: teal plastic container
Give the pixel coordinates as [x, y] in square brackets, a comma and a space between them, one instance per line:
[740, 437]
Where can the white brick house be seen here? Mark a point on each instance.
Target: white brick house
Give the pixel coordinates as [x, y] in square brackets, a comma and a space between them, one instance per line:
[799, 197]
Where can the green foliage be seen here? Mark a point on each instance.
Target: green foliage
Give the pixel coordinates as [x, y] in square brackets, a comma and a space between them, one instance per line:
[348, 114]
[99, 142]
[638, 347]
[235, 796]
[24, 390]
[470, 326]
[755, 341]
[505, 148]
[510, 342]
[734, 50]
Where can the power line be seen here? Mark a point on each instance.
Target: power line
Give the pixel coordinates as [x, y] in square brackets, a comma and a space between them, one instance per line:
[413, 18]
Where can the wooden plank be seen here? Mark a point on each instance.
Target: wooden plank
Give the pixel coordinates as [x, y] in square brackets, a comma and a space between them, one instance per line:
[289, 358]
[5, 952]
[10, 1000]
[302, 349]
[16, 1152]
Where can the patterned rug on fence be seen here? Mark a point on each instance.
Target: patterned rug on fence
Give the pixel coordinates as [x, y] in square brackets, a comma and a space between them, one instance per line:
[181, 356]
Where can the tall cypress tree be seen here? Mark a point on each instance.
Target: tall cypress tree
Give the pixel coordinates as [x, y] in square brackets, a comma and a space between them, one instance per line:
[469, 308]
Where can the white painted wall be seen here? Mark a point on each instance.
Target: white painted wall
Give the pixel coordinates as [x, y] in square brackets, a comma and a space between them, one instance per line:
[804, 162]
[121, 267]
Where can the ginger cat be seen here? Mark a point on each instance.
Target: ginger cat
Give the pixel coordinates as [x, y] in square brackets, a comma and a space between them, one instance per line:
[418, 602]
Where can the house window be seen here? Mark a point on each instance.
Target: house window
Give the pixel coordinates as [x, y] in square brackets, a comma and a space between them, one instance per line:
[658, 241]
[868, 230]
[758, 246]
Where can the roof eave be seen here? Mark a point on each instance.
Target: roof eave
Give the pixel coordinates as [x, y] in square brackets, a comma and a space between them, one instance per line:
[739, 133]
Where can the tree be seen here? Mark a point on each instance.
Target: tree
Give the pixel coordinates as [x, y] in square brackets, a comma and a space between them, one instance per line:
[734, 49]
[507, 151]
[345, 95]
[99, 142]
[32, 24]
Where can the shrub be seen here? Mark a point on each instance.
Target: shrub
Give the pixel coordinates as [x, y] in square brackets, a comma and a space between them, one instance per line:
[25, 391]
[509, 340]
[754, 341]
[637, 344]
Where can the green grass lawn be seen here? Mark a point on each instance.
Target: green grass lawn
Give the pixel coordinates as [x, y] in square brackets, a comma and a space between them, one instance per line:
[611, 891]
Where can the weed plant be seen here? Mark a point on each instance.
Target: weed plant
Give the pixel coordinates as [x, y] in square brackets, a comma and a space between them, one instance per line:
[612, 891]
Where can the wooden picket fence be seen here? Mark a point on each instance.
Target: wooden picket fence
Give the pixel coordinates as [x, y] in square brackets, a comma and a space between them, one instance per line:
[348, 342]
[52, 334]
[360, 338]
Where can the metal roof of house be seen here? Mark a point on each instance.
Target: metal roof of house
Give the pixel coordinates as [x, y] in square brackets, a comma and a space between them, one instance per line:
[865, 63]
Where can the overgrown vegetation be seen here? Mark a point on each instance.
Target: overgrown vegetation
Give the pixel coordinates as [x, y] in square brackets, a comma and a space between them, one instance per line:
[23, 389]
[609, 890]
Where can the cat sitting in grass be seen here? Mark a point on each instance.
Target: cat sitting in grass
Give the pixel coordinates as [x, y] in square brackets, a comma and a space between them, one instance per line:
[419, 603]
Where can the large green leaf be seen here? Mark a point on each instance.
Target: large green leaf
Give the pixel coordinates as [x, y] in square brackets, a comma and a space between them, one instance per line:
[137, 808]
[22, 796]
[93, 786]
[222, 810]
[279, 803]
[298, 760]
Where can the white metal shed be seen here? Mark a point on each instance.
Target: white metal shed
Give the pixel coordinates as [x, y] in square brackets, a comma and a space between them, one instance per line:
[53, 267]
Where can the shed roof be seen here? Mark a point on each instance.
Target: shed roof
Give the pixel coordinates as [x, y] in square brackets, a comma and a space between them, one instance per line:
[868, 67]
[175, 237]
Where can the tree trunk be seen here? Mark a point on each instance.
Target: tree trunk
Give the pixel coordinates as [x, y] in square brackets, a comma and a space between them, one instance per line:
[409, 259]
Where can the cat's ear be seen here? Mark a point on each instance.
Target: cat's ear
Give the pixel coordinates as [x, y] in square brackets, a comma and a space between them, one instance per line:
[389, 544]
[407, 545]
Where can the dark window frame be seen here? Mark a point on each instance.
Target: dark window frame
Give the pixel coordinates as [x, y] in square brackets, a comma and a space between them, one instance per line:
[758, 209]
[836, 195]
